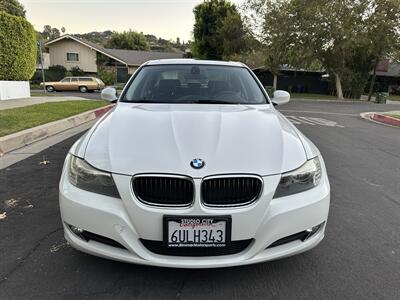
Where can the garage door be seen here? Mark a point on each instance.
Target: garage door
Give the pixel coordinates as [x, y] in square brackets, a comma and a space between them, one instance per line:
[122, 75]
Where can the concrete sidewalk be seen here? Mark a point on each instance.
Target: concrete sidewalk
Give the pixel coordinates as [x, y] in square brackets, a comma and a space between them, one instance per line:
[7, 104]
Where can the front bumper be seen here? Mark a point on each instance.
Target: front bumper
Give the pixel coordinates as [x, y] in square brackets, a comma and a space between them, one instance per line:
[127, 220]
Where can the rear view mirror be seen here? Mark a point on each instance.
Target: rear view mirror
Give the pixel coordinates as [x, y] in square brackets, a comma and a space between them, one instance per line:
[280, 97]
[109, 94]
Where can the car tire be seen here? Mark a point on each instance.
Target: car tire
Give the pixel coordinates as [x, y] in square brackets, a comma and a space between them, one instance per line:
[50, 88]
[83, 89]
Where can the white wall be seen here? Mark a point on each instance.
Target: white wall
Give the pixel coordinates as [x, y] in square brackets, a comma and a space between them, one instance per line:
[14, 90]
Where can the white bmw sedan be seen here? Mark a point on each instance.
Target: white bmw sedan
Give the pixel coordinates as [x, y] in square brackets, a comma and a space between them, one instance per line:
[194, 168]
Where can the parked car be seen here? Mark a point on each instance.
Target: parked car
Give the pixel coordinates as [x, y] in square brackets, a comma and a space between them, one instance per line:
[194, 168]
[82, 84]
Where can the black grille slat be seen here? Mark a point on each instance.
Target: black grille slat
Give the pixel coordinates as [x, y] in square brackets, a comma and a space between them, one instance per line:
[230, 191]
[297, 236]
[159, 247]
[100, 239]
[160, 190]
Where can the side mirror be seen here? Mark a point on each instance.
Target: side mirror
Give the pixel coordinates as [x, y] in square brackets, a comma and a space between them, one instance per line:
[109, 94]
[280, 97]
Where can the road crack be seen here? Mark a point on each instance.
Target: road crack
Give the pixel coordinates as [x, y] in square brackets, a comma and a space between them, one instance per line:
[27, 255]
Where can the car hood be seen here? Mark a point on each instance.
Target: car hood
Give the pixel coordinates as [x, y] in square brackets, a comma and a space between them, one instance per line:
[165, 138]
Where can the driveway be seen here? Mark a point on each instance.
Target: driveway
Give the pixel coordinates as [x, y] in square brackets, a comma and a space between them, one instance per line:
[358, 259]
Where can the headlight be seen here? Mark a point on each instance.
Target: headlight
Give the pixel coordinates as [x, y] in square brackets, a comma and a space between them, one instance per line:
[302, 179]
[86, 177]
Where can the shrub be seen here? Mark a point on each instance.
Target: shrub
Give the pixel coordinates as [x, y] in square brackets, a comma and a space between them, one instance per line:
[54, 73]
[17, 48]
[76, 71]
[108, 76]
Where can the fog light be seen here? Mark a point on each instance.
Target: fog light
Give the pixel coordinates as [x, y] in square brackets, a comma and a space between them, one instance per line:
[313, 230]
[77, 231]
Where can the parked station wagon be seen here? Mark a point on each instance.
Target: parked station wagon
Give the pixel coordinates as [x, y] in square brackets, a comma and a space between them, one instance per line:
[82, 84]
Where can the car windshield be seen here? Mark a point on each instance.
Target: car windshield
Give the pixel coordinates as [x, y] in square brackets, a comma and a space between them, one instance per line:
[194, 84]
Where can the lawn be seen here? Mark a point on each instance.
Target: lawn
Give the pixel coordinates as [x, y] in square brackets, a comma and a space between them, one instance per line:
[394, 97]
[17, 119]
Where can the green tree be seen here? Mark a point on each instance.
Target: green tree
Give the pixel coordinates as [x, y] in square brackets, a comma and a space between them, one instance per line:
[130, 40]
[50, 33]
[383, 32]
[234, 35]
[218, 30]
[46, 32]
[12, 7]
[274, 36]
[338, 35]
[348, 36]
[329, 32]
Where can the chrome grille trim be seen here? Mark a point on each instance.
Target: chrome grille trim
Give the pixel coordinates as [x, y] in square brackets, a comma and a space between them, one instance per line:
[171, 186]
[225, 185]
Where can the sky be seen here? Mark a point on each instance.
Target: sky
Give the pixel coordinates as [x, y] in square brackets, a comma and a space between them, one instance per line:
[168, 19]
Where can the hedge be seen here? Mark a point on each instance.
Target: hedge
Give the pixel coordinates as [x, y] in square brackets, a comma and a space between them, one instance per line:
[17, 48]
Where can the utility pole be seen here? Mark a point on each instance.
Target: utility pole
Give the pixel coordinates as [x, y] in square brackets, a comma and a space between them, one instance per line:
[41, 63]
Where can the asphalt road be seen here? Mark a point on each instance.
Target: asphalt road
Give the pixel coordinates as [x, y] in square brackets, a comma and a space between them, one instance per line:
[358, 259]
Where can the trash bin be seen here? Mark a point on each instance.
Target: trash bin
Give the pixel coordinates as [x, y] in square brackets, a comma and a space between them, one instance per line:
[381, 97]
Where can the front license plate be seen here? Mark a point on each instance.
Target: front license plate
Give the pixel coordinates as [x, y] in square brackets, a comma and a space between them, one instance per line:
[195, 231]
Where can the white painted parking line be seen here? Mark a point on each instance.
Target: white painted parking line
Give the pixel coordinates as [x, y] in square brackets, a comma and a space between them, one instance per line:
[298, 120]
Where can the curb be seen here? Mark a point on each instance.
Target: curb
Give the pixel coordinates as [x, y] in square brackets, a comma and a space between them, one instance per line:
[28, 136]
[385, 119]
[370, 117]
[392, 102]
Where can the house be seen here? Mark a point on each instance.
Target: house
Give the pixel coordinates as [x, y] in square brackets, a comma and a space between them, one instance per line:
[70, 51]
[388, 76]
[318, 82]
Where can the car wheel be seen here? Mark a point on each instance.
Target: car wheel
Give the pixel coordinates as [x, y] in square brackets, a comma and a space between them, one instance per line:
[50, 88]
[83, 89]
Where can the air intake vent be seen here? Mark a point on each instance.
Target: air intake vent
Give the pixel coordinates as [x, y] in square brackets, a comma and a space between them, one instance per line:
[230, 191]
[159, 247]
[163, 190]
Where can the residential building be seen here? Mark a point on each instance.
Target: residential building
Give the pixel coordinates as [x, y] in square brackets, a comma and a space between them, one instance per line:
[70, 51]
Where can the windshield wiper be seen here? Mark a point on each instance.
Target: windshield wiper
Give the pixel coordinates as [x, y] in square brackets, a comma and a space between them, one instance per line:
[211, 101]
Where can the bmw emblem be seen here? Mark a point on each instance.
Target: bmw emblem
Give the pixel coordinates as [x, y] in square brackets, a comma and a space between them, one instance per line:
[197, 163]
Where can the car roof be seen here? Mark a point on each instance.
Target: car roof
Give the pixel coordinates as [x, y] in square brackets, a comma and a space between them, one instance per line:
[190, 61]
